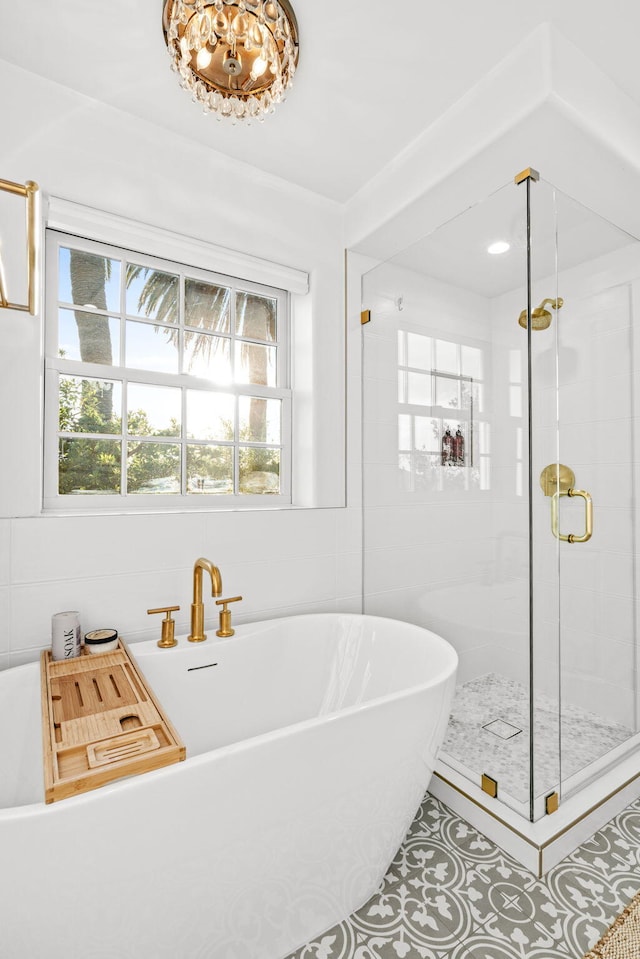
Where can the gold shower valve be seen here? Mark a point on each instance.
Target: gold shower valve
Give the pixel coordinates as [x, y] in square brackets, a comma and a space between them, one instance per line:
[225, 616]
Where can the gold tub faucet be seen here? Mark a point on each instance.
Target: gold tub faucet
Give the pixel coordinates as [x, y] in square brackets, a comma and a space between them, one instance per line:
[197, 634]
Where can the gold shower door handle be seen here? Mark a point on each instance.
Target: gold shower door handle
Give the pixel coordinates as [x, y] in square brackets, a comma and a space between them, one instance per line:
[588, 516]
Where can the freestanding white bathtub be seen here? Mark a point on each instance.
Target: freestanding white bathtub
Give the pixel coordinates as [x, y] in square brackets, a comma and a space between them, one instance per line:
[310, 742]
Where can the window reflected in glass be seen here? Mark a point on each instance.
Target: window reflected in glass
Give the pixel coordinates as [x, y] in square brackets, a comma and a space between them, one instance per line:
[89, 281]
[404, 432]
[447, 392]
[446, 357]
[471, 361]
[153, 410]
[419, 351]
[206, 306]
[152, 294]
[419, 389]
[153, 467]
[209, 469]
[427, 433]
[256, 317]
[210, 416]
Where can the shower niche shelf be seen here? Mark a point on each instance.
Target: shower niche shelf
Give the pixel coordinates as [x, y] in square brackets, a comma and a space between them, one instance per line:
[100, 722]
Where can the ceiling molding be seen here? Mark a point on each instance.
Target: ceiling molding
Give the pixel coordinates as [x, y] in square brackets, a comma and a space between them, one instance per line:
[561, 115]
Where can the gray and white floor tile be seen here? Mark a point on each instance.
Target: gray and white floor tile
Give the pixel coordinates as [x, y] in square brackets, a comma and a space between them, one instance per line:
[450, 893]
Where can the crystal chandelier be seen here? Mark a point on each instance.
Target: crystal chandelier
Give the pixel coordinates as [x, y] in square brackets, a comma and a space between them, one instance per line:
[236, 57]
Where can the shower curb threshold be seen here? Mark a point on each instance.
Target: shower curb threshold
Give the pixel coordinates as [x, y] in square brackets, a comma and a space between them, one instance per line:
[540, 845]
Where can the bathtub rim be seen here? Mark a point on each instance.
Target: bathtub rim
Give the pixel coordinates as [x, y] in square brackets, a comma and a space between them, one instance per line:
[442, 678]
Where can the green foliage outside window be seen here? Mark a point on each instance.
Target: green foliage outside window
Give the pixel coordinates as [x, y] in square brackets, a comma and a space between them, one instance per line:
[91, 409]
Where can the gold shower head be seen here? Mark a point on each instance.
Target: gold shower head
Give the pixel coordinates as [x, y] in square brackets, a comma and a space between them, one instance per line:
[540, 318]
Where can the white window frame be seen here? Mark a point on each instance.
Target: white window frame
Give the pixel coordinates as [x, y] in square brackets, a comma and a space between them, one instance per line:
[72, 215]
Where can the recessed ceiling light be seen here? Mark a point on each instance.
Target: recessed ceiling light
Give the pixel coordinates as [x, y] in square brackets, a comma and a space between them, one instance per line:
[500, 246]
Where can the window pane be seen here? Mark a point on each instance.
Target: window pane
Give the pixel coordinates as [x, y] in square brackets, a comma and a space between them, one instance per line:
[259, 470]
[402, 348]
[90, 337]
[89, 281]
[419, 389]
[208, 357]
[404, 432]
[88, 466]
[152, 294]
[206, 306]
[209, 469]
[151, 348]
[255, 364]
[153, 410]
[419, 351]
[402, 386]
[259, 419]
[153, 467]
[427, 433]
[210, 416]
[471, 361]
[447, 392]
[256, 317]
[89, 406]
[446, 357]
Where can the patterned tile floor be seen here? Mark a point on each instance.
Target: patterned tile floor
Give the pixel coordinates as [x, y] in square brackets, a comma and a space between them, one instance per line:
[482, 701]
[450, 893]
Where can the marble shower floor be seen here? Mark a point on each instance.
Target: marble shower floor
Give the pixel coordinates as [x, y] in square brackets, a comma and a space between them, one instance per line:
[503, 705]
[450, 893]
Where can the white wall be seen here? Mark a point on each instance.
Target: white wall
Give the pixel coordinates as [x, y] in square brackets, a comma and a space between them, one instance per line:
[112, 568]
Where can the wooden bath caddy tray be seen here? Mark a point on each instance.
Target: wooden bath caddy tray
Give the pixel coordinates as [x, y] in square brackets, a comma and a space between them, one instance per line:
[100, 722]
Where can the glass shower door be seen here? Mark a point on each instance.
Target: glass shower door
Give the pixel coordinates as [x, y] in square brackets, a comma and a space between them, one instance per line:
[445, 473]
[501, 393]
[595, 529]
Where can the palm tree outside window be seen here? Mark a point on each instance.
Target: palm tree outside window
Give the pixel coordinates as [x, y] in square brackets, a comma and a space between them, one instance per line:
[163, 383]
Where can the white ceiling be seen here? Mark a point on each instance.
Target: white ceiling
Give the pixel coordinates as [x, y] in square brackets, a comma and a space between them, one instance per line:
[366, 86]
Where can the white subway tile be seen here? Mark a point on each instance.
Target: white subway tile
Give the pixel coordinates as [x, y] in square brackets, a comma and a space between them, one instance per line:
[4, 621]
[119, 601]
[74, 547]
[5, 551]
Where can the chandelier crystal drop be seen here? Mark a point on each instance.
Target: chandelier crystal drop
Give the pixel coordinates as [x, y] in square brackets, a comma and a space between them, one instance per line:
[237, 58]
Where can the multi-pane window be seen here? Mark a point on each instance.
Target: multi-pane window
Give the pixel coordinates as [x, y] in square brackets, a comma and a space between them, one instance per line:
[164, 383]
[441, 419]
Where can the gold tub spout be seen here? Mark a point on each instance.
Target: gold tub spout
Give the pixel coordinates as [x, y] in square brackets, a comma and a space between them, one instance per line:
[197, 634]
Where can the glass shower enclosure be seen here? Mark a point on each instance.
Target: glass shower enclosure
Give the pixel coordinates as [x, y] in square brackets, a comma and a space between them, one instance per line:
[500, 383]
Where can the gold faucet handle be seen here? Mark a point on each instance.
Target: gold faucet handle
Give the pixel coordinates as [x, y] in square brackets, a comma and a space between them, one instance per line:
[168, 638]
[225, 616]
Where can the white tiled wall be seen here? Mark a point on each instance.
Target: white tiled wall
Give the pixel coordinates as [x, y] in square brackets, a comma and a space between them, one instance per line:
[112, 569]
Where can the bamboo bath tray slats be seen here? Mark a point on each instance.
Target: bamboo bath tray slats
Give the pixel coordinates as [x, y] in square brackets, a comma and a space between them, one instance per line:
[100, 722]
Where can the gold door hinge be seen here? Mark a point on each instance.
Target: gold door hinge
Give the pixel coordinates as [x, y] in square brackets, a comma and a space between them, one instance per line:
[365, 317]
[551, 803]
[489, 786]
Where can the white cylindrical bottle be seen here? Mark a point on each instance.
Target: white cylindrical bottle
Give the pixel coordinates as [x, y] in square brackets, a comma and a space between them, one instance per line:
[65, 635]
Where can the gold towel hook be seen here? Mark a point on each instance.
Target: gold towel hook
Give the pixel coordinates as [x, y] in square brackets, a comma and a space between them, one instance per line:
[30, 191]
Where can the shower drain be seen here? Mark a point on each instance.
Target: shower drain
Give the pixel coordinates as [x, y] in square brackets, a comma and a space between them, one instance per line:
[502, 729]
